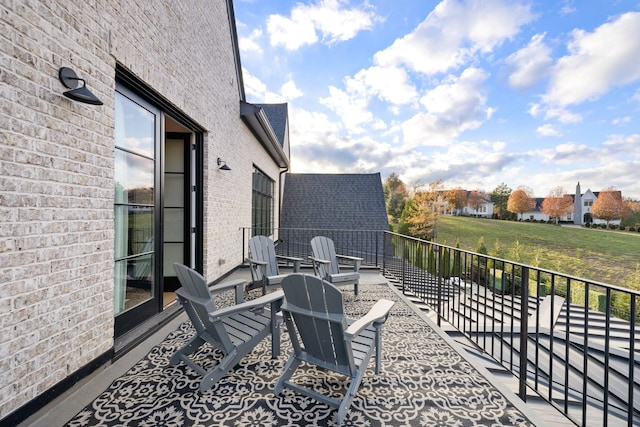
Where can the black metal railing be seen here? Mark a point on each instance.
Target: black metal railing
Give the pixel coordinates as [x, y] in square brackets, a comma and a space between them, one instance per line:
[296, 242]
[574, 342]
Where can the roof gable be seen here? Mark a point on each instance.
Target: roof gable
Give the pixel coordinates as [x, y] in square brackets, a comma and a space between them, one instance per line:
[334, 201]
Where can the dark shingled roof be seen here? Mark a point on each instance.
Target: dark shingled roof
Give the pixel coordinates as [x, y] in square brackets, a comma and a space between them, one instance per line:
[334, 201]
[277, 115]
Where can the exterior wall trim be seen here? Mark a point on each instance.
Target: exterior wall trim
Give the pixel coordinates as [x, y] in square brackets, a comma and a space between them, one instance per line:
[39, 402]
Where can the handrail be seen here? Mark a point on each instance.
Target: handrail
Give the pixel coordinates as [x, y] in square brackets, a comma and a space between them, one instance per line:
[582, 357]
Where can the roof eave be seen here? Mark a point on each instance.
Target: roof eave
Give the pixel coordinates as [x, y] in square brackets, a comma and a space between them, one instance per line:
[256, 120]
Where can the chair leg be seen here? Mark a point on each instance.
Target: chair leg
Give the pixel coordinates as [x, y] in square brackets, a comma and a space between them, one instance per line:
[289, 368]
[348, 397]
[225, 365]
[193, 345]
[275, 332]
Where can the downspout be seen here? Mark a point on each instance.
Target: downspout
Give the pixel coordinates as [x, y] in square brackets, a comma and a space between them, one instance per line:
[280, 193]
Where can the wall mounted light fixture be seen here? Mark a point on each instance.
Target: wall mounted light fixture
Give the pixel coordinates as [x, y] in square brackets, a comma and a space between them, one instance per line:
[70, 80]
[223, 165]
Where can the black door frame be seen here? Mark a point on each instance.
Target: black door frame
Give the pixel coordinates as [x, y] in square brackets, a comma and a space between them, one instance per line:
[128, 84]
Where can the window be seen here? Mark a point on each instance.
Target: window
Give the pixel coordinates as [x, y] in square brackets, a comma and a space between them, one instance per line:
[588, 202]
[262, 204]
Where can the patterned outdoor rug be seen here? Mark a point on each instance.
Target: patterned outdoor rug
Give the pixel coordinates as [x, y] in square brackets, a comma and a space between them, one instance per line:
[423, 382]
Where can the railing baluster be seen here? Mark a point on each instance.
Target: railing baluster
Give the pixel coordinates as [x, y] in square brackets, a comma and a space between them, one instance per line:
[585, 353]
[566, 346]
[632, 341]
[606, 354]
[524, 334]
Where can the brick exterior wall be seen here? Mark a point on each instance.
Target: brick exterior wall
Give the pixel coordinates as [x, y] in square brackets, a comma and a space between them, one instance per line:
[56, 167]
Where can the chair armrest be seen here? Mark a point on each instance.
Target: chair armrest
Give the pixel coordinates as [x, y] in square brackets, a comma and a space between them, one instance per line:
[319, 261]
[296, 261]
[238, 284]
[246, 306]
[377, 314]
[351, 258]
[256, 262]
[354, 259]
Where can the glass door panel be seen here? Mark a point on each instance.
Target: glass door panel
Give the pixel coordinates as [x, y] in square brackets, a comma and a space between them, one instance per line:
[175, 197]
[135, 216]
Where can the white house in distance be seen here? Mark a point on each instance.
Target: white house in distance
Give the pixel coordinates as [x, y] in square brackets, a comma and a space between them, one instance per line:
[581, 215]
[484, 211]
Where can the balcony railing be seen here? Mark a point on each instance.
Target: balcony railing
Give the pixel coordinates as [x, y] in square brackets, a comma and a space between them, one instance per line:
[575, 342]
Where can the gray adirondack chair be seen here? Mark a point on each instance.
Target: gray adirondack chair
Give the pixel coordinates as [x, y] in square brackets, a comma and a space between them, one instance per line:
[322, 335]
[326, 266]
[263, 262]
[235, 330]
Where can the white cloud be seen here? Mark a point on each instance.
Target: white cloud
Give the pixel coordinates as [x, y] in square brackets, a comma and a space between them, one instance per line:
[561, 114]
[351, 107]
[621, 120]
[335, 22]
[454, 32]
[451, 108]
[290, 91]
[250, 44]
[548, 130]
[390, 84]
[530, 63]
[567, 153]
[598, 61]
[628, 146]
[253, 86]
[292, 33]
[458, 96]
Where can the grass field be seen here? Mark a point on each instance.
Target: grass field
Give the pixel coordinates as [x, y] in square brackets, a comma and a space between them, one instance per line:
[606, 256]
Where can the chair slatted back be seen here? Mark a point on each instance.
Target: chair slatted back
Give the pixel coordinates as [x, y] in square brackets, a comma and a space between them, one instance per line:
[323, 248]
[194, 296]
[316, 308]
[262, 248]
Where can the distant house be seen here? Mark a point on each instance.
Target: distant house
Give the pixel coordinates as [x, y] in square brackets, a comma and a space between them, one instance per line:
[581, 214]
[485, 211]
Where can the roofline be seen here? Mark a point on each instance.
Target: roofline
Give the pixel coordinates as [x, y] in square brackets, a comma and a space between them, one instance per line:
[236, 49]
[257, 121]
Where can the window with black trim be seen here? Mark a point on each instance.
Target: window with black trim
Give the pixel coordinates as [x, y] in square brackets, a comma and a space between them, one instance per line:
[262, 204]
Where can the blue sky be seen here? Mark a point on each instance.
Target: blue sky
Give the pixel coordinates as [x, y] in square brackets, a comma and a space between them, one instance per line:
[473, 92]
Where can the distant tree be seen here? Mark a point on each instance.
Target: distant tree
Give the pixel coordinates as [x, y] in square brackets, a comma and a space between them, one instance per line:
[403, 225]
[499, 197]
[557, 204]
[521, 200]
[421, 217]
[416, 185]
[630, 213]
[395, 195]
[608, 206]
[423, 211]
[457, 198]
[476, 200]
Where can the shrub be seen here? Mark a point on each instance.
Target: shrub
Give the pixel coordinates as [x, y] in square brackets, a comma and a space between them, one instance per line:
[632, 229]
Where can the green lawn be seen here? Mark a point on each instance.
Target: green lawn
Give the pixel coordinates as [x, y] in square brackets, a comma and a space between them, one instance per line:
[606, 256]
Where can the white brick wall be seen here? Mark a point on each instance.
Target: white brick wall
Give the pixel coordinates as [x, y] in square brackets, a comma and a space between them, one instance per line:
[56, 167]
[56, 200]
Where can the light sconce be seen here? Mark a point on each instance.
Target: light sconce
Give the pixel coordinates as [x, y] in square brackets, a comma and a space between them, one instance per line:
[70, 80]
[222, 165]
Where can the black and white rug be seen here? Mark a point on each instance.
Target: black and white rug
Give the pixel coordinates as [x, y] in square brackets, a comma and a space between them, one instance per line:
[424, 382]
